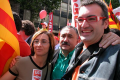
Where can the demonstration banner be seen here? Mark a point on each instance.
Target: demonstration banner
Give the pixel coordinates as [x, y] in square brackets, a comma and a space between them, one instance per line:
[116, 11]
[75, 10]
[51, 21]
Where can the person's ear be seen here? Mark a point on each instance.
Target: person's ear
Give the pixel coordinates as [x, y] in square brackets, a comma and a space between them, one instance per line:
[106, 23]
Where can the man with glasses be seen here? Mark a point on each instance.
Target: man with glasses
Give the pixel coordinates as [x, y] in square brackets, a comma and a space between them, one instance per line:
[91, 62]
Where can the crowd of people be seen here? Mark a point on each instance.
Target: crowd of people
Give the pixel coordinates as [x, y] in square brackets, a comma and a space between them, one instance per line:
[89, 52]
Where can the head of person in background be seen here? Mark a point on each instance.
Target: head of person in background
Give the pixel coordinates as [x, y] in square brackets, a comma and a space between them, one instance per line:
[17, 20]
[56, 42]
[69, 38]
[42, 44]
[28, 29]
[44, 26]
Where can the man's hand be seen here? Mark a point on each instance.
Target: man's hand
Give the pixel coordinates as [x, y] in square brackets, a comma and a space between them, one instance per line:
[14, 61]
[109, 38]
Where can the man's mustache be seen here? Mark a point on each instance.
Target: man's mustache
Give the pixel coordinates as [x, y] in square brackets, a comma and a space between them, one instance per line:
[65, 43]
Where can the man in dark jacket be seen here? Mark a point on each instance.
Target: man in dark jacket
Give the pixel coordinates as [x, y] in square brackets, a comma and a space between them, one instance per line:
[90, 61]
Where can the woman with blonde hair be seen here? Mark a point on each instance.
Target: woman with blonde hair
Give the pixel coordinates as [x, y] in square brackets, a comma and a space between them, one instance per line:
[37, 66]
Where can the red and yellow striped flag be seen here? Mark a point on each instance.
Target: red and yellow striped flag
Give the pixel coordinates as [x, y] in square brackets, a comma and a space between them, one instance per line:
[112, 24]
[113, 21]
[9, 45]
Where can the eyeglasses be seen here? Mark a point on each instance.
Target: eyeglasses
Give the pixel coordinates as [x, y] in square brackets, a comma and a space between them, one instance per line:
[90, 19]
[42, 42]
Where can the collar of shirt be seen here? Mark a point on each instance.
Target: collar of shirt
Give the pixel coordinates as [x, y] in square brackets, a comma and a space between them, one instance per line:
[61, 65]
[44, 29]
[27, 38]
[68, 56]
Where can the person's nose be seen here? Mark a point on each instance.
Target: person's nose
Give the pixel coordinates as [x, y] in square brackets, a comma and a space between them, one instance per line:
[85, 24]
[66, 39]
[39, 44]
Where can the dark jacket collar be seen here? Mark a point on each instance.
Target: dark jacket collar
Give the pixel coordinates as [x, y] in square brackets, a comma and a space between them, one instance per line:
[91, 51]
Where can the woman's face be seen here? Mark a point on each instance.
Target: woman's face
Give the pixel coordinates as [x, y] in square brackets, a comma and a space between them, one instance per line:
[41, 45]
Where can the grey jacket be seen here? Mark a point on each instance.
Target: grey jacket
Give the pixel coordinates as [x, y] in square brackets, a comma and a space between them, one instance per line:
[102, 64]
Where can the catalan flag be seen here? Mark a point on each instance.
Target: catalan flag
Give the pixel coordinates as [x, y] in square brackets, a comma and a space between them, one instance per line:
[112, 24]
[9, 45]
[113, 21]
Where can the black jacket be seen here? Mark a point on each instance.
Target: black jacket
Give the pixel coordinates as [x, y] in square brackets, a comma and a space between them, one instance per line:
[103, 64]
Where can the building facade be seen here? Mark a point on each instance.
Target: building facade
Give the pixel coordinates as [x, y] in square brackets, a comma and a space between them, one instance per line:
[60, 16]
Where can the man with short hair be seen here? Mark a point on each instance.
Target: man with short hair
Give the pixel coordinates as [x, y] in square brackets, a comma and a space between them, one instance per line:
[28, 29]
[68, 40]
[90, 61]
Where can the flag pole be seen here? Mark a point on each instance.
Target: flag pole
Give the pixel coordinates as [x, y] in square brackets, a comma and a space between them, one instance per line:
[67, 10]
[59, 16]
